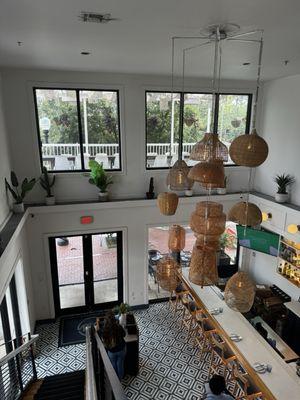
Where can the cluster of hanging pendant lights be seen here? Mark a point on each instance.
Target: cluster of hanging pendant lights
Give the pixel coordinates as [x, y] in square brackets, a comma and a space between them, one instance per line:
[208, 220]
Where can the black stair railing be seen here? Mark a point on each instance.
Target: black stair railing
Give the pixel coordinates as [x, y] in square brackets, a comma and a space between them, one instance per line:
[102, 381]
[17, 368]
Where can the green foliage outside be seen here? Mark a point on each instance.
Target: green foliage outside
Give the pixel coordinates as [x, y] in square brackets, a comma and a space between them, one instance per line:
[232, 111]
[102, 118]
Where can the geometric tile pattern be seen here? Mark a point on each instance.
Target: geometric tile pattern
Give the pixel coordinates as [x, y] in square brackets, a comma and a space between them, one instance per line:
[51, 359]
[170, 368]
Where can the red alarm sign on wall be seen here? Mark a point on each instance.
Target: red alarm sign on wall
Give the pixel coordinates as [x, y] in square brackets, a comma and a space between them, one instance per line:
[86, 219]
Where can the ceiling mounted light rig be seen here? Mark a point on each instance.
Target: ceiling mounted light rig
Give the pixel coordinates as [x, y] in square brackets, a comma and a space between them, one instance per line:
[98, 18]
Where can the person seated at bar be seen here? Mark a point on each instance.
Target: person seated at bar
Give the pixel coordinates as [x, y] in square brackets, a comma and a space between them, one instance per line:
[113, 339]
[216, 389]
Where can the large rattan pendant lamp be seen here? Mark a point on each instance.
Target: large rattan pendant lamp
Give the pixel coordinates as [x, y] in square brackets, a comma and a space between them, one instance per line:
[177, 178]
[240, 292]
[251, 150]
[176, 241]
[246, 214]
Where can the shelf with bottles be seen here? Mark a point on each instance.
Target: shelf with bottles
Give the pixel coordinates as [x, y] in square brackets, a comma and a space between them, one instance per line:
[289, 271]
[290, 252]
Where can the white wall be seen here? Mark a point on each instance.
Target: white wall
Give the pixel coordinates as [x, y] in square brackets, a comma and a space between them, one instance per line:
[134, 181]
[262, 268]
[133, 217]
[279, 122]
[5, 166]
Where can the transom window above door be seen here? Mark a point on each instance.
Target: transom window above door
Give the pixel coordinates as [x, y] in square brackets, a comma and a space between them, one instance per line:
[164, 116]
[75, 126]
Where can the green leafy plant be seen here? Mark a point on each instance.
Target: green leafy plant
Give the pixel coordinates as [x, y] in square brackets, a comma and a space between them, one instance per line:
[283, 181]
[98, 176]
[17, 192]
[46, 182]
[123, 308]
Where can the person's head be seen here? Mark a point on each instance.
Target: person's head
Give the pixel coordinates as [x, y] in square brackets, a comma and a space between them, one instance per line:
[217, 384]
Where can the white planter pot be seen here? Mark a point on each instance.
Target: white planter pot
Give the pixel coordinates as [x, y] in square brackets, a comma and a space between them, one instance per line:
[189, 192]
[122, 320]
[103, 196]
[50, 201]
[221, 190]
[282, 198]
[18, 208]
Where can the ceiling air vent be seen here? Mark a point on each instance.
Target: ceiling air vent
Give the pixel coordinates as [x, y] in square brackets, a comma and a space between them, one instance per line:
[96, 17]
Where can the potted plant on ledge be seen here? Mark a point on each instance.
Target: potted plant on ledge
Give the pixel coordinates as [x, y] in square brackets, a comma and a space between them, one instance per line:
[47, 184]
[99, 178]
[283, 181]
[122, 311]
[19, 193]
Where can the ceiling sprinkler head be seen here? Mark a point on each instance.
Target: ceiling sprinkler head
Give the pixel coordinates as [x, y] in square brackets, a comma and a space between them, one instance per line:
[225, 30]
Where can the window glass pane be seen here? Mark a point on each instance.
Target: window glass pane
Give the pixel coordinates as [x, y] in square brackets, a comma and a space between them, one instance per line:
[2, 347]
[22, 298]
[197, 120]
[162, 124]
[100, 127]
[10, 314]
[58, 127]
[232, 117]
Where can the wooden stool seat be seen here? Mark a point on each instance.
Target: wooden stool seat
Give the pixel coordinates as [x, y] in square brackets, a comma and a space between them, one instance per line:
[243, 389]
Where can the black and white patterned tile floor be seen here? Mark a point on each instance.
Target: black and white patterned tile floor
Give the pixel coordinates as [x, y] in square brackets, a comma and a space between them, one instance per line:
[170, 368]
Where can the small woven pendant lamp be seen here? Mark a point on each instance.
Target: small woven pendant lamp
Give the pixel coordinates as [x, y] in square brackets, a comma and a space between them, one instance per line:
[167, 270]
[167, 203]
[209, 174]
[209, 148]
[177, 178]
[176, 238]
[240, 292]
[203, 267]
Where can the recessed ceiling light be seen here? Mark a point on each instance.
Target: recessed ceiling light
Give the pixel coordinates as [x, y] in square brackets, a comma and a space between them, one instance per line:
[85, 53]
[246, 63]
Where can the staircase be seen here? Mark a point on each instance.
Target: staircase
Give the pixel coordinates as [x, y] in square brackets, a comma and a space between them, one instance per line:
[69, 386]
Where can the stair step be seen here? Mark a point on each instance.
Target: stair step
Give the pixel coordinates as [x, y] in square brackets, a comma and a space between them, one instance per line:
[45, 396]
[67, 375]
[64, 382]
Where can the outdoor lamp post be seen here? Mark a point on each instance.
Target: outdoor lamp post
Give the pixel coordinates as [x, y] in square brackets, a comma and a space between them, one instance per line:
[45, 124]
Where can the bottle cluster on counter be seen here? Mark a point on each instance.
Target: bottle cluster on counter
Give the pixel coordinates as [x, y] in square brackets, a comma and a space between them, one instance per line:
[289, 261]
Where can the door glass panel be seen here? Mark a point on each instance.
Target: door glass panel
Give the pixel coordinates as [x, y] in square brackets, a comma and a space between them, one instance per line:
[2, 347]
[105, 267]
[69, 253]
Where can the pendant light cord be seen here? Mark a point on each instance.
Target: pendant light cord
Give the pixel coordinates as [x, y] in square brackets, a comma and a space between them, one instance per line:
[258, 81]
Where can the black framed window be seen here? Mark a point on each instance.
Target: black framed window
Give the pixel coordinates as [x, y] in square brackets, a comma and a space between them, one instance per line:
[78, 125]
[230, 118]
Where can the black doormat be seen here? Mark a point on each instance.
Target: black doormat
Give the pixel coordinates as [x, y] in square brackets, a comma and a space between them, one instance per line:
[72, 328]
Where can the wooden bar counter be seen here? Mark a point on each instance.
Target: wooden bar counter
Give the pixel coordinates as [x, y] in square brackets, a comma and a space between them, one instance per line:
[281, 383]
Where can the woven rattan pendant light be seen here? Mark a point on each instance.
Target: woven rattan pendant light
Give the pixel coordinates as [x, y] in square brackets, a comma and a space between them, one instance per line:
[177, 178]
[209, 148]
[167, 203]
[208, 174]
[240, 292]
[176, 241]
[167, 270]
[251, 150]
[203, 267]
[245, 213]
[208, 219]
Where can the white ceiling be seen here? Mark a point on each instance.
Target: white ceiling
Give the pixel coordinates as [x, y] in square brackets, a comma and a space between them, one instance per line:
[53, 37]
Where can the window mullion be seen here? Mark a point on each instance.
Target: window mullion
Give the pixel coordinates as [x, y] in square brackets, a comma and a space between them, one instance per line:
[80, 133]
[216, 112]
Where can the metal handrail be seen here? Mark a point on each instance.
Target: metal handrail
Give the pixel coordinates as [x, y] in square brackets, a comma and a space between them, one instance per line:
[90, 386]
[18, 350]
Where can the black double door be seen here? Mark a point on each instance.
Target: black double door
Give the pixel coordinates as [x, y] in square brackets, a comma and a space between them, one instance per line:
[87, 271]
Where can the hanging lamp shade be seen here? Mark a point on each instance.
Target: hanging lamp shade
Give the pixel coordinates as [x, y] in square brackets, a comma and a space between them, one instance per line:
[176, 238]
[208, 219]
[246, 214]
[167, 203]
[209, 174]
[249, 150]
[210, 148]
[177, 178]
[167, 273]
[203, 267]
[240, 292]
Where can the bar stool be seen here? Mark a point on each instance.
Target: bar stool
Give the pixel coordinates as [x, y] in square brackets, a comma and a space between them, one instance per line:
[179, 292]
[204, 328]
[222, 359]
[189, 320]
[243, 389]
